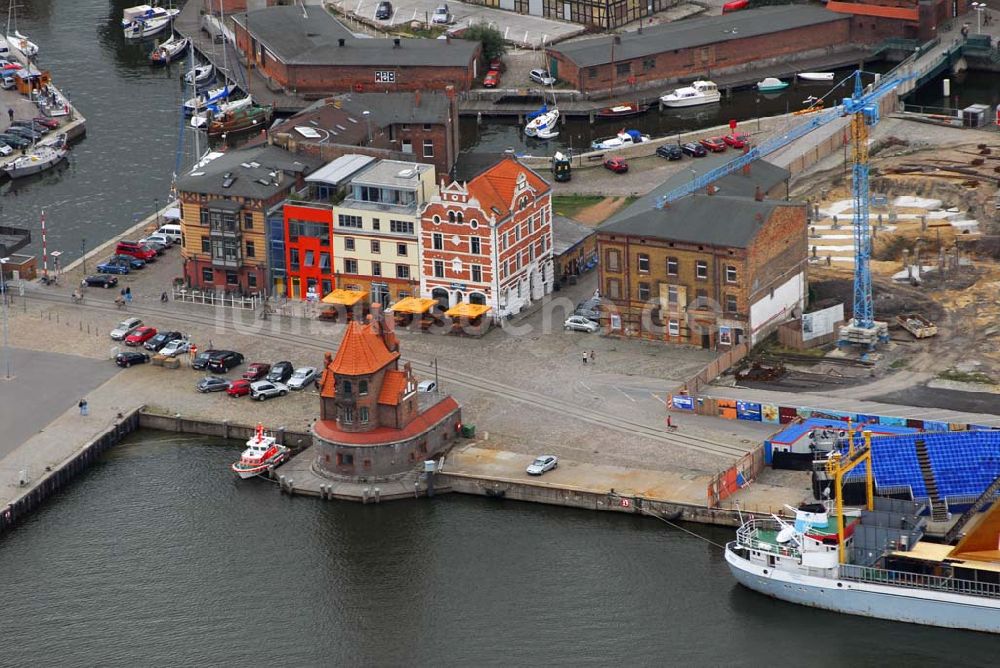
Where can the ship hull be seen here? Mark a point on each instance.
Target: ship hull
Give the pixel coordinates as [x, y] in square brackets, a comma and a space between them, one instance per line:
[899, 604]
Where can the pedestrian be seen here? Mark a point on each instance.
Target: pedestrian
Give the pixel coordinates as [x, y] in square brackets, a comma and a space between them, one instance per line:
[163, 297]
[10, 114]
[84, 410]
[670, 422]
[123, 293]
[211, 344]
[591, 356]
[585, 357]
[128, 295]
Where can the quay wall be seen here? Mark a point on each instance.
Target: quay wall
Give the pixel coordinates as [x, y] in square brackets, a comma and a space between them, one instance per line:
[57, 478]
[295, 440]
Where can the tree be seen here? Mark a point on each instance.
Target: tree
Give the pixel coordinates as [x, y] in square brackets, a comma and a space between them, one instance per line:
[491, 38]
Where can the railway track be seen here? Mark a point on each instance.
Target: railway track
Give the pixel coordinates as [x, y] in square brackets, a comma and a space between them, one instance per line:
[464, 379]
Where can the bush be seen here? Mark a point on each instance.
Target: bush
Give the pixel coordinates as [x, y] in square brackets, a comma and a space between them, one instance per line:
[491, 38]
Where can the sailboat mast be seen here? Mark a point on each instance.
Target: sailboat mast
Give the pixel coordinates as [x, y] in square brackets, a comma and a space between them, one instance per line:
[613, 38]
[194, 93]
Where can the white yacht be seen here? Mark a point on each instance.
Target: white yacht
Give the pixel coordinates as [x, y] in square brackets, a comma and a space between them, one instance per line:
[699, 92]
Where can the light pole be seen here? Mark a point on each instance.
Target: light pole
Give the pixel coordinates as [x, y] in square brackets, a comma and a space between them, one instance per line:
[156, 207]
[979, 7]
[55, 264]
[4, 288]
[368, 121]
[83, 254]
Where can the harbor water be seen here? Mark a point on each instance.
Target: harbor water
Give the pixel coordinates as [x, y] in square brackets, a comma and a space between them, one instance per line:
[157, 555]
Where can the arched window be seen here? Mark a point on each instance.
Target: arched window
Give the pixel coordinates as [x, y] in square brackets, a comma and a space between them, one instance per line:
[451, 216]
[459, 216]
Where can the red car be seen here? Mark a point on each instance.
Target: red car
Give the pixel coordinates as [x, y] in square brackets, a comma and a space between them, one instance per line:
[492, 79]
[714, 144]
[140, 335]
[616, 164]
[238, 388]
[737, 141]
[497, 64]
[136, 250]
[256, 371]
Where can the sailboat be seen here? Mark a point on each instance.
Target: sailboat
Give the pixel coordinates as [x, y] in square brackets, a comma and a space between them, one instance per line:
[200, 74]
[169, 51]
[40, 158]
[252, 117]
[218, 108]
[15, 38]
[145, 21]
[621, 109]
[542, 123]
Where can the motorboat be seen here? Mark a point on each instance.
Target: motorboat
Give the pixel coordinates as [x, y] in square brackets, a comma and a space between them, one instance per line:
[14, 37]
[200, 101]
[544, 123]
[815, 76]
[200, 74]
[262, 453]
[249, 118]
[145, 21]
[699, 92]
[771, 84]
[217, 109]
[39, 159]
[547, 133]
[623, 138]
[169, 51]
[620, 110]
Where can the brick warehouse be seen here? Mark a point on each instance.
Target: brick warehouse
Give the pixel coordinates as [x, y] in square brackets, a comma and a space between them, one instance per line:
[317, 55]
[709, 269]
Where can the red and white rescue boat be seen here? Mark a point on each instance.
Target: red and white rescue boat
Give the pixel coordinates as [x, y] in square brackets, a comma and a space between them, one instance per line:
[261, 455]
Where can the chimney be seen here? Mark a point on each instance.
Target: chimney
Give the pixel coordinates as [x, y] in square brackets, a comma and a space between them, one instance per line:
[396, 43]
[710, 189]
[758, 194]
[416, 98]
[341, 41]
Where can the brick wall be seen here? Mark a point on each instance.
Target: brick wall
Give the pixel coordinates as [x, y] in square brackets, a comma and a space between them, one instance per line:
[779, 251]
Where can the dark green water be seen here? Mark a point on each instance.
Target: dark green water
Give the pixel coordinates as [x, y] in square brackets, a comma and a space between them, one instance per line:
[158, 556]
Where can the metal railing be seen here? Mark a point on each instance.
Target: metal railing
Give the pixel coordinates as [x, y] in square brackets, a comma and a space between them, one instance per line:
[224, 299]
[746, 536]
[916, 581]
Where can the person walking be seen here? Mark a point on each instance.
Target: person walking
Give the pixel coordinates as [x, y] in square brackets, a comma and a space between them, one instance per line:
[84, 409]
[591, 356]
[128, 295]
[10, 114]
[584, 357]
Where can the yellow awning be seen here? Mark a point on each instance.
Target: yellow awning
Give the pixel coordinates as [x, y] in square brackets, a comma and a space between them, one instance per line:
[466, 310]
[344, 297]
[416, 305]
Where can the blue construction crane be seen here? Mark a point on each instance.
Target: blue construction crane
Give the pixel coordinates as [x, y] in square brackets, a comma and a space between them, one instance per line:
[864, 111]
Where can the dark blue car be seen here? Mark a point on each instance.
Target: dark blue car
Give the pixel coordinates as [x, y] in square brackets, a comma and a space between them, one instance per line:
[133, 262]
[112, 268]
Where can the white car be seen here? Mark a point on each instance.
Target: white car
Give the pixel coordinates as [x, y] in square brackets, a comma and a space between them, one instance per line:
[302, 377]
[5, 150]
[175, 347]
[542, 464]
[125, 328]
[427, 386]
[580, 324]
[441, 15]
[157, 239]
[542, 77]
[265, 389]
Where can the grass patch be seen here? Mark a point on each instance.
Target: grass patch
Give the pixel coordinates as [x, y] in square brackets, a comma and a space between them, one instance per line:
[570, 205]
[427, 32]
[807, 352]
[899, 364]
[963, 377]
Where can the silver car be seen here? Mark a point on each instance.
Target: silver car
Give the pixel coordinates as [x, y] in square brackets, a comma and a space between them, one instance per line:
[175, 347]
[125, 328]
[542, 77]
[442, 16]
[302, 377]
[265, 389]
[580, 324]
[542, 464]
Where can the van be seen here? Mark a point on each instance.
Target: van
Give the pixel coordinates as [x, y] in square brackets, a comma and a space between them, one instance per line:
[171, 231]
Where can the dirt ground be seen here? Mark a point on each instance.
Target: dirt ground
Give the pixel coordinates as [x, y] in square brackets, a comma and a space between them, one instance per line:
[598, 213]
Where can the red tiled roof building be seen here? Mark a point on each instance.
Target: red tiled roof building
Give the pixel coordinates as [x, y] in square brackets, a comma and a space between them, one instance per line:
[373, 421]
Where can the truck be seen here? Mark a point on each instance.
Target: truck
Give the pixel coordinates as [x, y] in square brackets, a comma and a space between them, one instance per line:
[561, 169]
[917, 325]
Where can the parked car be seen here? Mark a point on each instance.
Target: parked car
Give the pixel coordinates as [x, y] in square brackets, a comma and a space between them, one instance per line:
[265, 389]
[737, 141]
[616, 164]
[224, 361]
[5, 149]
[442, 16]
[589, 309]
[112, 268]
[124, 328]
[694, 149]
[101, 281]
[384, 11]
[670, 152]
[542, 464]
[130, 357]
[280, 372]
[14, 140]
[713, 144]
[580, 324]
[256, 371]
[159, 247]
[497, 64]
[156, 239]
[427, 386]
[238, 388]
[50, 123]
[131, 262]
[202, 359]
[212, 384]
[27, 133]
[492, 79]
[31, 125]
[542, 77]
[135, 249]
[175, 347]
[140, 335]
[162, 339]
[302, 377]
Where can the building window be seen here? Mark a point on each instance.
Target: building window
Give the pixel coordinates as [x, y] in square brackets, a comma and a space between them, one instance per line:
[437, 241]
[327, 287]
[376, 268]
[674, 327]
[672, 293]
[248, 220]
[623, 69]
[362, 387]
[206, 245]
[427, 127]
[349, 221]
[644, 292]
[671, 266]
[439, 268]
[348, 419]
[477, 273]
[613, 258]
[345, 459]
[346, 388]
[700, 298]
[324, 262]
[349, 243]
[376, 224]
[644, 263]
[401, 250]
[649, 64]
[517, 233]
[363, 415]
[701, 269]
[401, 227]
[592, 72]
[251, 251]
[207, 275]
[731, 303]
[402, 271]
[203, 217]
[350, 266]
[614, 288]
[232, 278]
[251, 280]
[310, 258]
[376, 246]
[474, 247]
[503, 269]
[293, 258]
[730, 273]
[406, 146]
[428, 148]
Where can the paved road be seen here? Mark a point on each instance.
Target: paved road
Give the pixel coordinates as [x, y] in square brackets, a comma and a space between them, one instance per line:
[43, 386]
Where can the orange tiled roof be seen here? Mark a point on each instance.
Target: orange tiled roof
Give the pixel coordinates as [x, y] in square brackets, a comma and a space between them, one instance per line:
[495, 187]
[327, 384]
[362, 351]
[393, 387]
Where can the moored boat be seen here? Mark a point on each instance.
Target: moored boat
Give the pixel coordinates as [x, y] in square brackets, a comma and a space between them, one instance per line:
[240, 120]
[200, 74]
[202, 100]
[262, 453]
[815, 76]
[622, 110]
[699, 92]
[544, 123]
[14, 37]
[39, 159]
[169, 51]
[145, 21]
[623, 138]
[771, 84]
[202, 118]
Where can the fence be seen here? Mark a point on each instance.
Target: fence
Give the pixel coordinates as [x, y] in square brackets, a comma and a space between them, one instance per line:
[726, 483]
[224, 299]
[715, 368]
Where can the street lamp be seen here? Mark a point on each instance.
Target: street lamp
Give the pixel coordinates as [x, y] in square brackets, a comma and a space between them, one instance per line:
[55, 259]
[4, 288]
[979, 7]
[368, 121]
[83, 254]
[156, 207]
